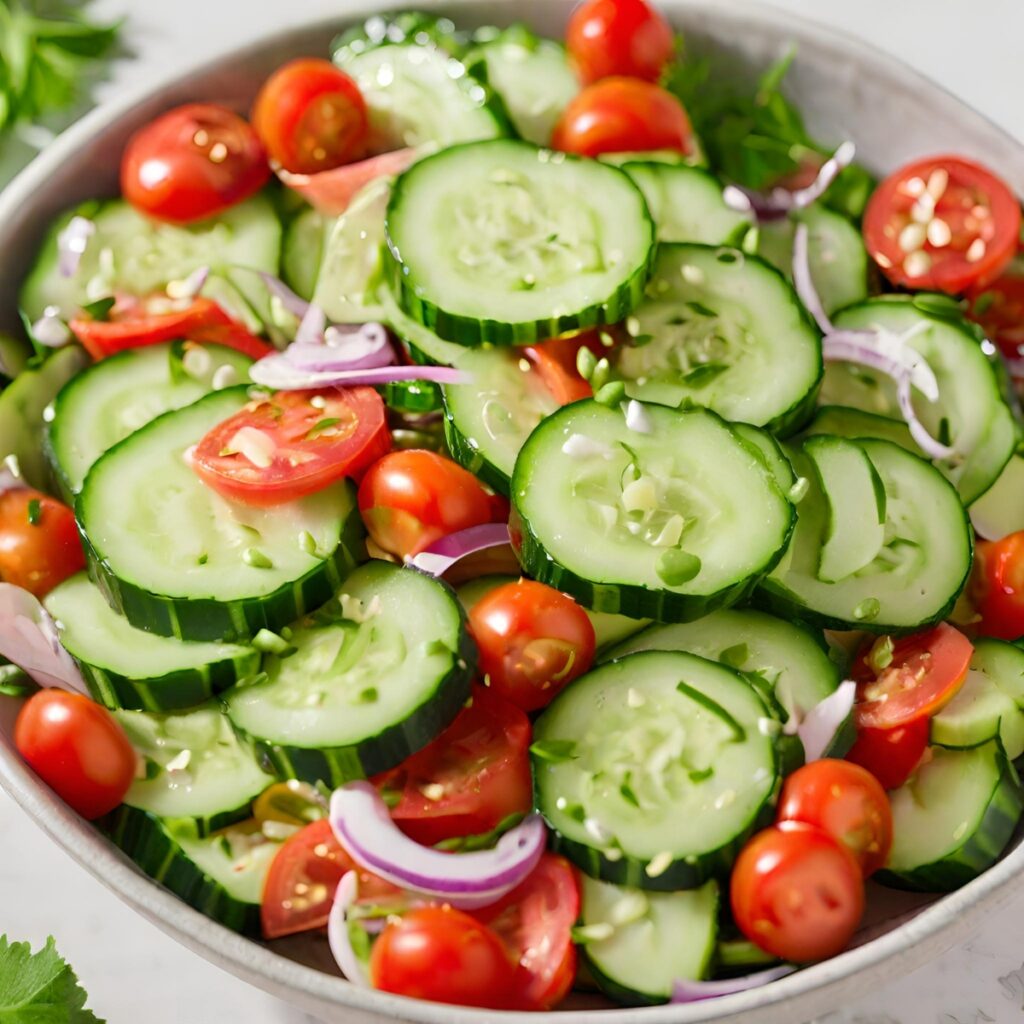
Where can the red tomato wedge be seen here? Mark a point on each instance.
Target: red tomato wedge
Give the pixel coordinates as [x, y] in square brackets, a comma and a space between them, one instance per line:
[470, 779]
[555, 363]
[926, 671]
[132, 326]
[891, 755]
[999, 308]
[944, 223]
[332, 191]
[997, 586]
[292, 444]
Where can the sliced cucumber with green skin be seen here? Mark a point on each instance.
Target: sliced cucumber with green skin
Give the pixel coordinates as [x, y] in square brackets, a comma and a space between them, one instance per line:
[787, 656]
[126, 667]
[661, 766]
[836, 253]
[14, 356]
[713, 330]
[653, 939]
[990, 703]
[22, 407]
[770, 453]
[504, 243]
[844, 421]
[917, 575]
[1000, 510]
[117, 396]
[667, 525]
[686, 204]
[952, 819]
[178, 560]
[423, 344]
[970, 413]
[221, 876]
[413, 397]
[198, 772]
[302, 254]
[376, 676]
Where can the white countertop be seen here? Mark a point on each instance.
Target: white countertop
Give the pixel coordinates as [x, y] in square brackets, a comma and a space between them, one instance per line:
[134, 973]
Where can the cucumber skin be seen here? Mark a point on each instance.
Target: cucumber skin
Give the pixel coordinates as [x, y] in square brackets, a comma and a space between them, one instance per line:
[200, 827]
[149, 844]
[469, 456]
[615, 990]
[416, 397]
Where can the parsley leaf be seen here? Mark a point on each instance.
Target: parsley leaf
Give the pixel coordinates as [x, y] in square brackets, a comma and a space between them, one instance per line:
[39, 987]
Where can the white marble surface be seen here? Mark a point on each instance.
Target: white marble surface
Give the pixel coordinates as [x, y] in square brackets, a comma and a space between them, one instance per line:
[134, 973]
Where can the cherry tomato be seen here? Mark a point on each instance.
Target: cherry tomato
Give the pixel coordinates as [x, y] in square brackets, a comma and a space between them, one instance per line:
[997, 586]
[847, 802]
[623, 115]
[999, 308]
[555, 363]
[39, 542]
[191, 163]
[78, 749]
[535, 921]
[619, 37]
[926, 671]
[445, 956]
[944, 223]
[797, 893]
[133, 325]
[533, 641]
[410, 499]
[296, 443]
[311, 117]
[470, 779]
[891, 755]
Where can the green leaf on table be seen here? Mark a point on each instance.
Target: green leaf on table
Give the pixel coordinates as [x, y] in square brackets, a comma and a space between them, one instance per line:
[39, 988]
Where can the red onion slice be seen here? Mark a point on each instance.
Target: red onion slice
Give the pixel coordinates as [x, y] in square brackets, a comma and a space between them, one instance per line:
[338, 935]
[918, 431]
[443, 554]
[275, 371]
[804, 283]
[294, 304]
[29, 639]
[362, 824]
[311, 327]
[10, 481]
[72, 243]
[695, 991]
[362, 347]
[824, 720]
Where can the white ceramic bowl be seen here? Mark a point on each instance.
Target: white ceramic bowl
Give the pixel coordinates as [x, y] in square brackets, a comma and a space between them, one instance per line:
[846, 91]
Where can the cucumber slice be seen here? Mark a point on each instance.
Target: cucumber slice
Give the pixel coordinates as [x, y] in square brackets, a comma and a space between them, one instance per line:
[14, 356]
[176, 559]
[714, 329]
[656, 938]
[953, 819]
[918, 574]
[115, 397]
[672, 765]
[686, 204]
[843, 421]
[1000, 510]
[376, 676]
[501, 242]
[769, 452]
[855, 496]
[423, 344]
[836, 253]
[413, 397]
[198, 772]
[126, 667]
[667, 525]
[302, 254]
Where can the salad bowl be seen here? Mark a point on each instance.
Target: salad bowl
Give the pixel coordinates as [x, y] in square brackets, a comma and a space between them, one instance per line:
[846, 91]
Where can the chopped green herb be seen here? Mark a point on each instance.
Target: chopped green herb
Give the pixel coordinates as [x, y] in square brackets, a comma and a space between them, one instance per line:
[35, 512]
[554, 751]
[268, 642]
[318, 428]
[867, 610]
[712, 706]
[701, 376]
[39, 987]
[700, 309]
[627, 794]
[176, 366]
[675, 567]
[100, 309]
[599, 377]
[611, 394]
[881, 654]
[586, 362]
[203, 559]
[484, 841]
[700, 774]
[735, 656]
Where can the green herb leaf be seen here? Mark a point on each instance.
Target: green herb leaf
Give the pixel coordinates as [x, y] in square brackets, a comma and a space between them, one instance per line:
[100, 309]
[318, 428]
[484, 841]
[40, 987]
[735, 656]
[35, 512]
[554, 751]
[701, 376]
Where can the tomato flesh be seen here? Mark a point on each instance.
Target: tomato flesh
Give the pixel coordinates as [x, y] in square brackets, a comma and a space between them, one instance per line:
[999, 309]
[555, 363]
[39, 542]
[619, 37]
[997, 586]
[891, 755]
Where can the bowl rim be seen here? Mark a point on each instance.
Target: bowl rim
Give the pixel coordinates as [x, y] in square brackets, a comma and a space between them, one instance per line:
[895, 953]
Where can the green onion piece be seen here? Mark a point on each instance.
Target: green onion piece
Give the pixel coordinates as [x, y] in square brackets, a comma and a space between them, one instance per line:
[867, 610]
[554, 751]
[611, 394]
[713, 707]
[270, 643]
[35, 512]
[881, 654]
[586, 362]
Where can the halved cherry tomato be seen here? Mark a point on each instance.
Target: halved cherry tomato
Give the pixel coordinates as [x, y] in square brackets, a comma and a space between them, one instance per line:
[619, 37]
[78, 749]
[135, 324]
[474, 776]
[926, 671]
[311, 116]
[997, 586]
[555, 362]
[533, 641]
[797, 893]
[191, 163]
[944, 223]
[39, 542]
[445, 956]
[304, 442]
[999, 308]
[621, 115]
[847, 802]
[891, 755]
[410, 499]
[535, 921]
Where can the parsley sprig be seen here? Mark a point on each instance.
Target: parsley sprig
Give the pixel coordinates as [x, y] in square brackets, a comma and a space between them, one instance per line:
[40, 987]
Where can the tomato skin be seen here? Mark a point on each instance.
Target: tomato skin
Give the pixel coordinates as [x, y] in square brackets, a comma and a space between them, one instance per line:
[39, 556]
[411, 499]
[847, 802]
[445, 956]
[619, 37]
[193, 162]
[997, 586]
[78, 749]
[311, 117]
[533, 641]
[620, 115]
[555, 363]
[978, 207]
[797, 893]
[481, 761]
[999, 308]
[891, 755]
